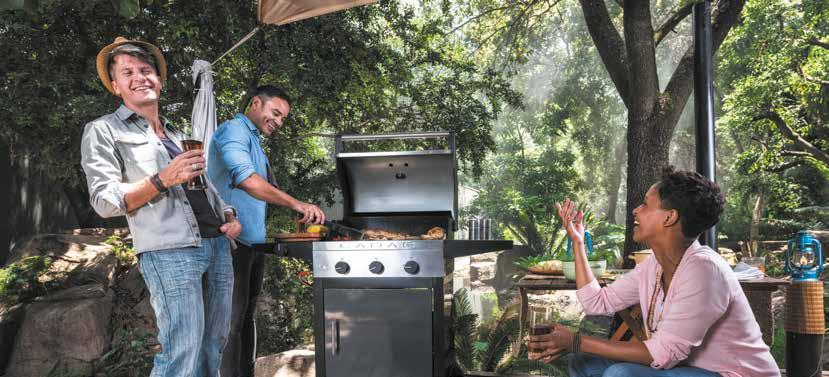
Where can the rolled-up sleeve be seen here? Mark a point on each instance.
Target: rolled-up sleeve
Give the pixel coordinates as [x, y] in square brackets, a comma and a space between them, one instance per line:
[103, 170]
[233, 141]
[622, 294]
[698, 301]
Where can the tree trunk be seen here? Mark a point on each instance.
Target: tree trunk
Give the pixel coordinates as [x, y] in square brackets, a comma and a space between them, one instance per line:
[614, 183]
[5, 194]
[754, 229]
[647, 148]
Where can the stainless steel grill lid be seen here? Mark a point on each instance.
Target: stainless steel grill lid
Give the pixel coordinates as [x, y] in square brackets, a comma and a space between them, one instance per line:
[397, 182]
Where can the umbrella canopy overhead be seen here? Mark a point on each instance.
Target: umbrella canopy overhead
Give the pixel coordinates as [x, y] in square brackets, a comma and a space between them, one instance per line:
[281, 12]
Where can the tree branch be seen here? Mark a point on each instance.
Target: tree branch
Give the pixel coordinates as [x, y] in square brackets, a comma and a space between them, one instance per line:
[810, 78]
[795, 153]
[792, 135]
[609, 44]
[819, 43]
[724, 15]
[478, 16]
[786, 166]
[671, 22]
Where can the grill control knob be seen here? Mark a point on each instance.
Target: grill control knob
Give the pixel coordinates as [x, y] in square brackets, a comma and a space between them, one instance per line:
[411, 267]
[376, 268]
[342, 268]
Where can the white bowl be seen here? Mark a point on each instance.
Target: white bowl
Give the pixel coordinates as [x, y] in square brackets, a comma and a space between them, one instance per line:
[597, 267]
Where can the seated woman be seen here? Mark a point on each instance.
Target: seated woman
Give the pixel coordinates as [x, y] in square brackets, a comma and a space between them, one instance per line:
[696, 316]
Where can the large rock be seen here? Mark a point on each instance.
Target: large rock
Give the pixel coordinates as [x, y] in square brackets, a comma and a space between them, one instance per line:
[507, 273]
[10, 319]
[65, 331]
[294, 363]
[80, 256]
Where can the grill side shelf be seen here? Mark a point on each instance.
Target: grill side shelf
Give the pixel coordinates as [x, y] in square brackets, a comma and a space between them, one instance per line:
[464, 248]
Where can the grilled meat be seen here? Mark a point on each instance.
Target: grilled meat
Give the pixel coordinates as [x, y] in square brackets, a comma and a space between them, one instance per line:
[436, 233]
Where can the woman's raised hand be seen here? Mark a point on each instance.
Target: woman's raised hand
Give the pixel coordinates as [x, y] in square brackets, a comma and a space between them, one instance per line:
[572, 220]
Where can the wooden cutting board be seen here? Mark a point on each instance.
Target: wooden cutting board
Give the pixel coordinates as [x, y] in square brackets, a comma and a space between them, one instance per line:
[297, 237]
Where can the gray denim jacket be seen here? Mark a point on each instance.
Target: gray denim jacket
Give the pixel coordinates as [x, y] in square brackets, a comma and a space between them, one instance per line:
[121, 148]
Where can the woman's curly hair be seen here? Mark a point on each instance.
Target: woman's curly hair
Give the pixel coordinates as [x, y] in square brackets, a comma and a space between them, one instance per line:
[698, 200]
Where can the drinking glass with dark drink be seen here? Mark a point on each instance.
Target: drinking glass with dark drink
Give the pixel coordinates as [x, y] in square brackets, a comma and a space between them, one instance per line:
[195, 183]
[539, 325]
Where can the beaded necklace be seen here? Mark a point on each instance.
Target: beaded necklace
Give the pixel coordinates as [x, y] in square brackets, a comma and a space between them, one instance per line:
[651, 308]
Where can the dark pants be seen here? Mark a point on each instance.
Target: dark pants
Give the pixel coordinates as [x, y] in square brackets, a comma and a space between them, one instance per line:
[240, 352]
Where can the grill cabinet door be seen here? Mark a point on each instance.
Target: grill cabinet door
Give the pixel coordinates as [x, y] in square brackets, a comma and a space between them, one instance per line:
[378, 332]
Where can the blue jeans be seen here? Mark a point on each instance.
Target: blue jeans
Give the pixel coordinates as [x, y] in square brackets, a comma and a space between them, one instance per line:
[586, 365]
[193, 320]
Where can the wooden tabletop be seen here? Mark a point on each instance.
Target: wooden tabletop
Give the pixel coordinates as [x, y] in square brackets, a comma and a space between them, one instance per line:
[551, 283]
[765, 284]
[558, 282]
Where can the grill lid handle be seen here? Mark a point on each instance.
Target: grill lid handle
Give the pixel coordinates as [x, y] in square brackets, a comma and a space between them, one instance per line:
[397, 136]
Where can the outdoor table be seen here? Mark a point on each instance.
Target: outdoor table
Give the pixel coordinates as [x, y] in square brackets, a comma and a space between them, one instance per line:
[631, 317]
[758, 292]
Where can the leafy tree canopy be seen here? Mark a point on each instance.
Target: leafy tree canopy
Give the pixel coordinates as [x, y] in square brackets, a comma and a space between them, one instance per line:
[774, 69]
[380, 68]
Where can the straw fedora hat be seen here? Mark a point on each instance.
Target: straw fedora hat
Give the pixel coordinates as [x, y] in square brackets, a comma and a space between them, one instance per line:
[102, 60]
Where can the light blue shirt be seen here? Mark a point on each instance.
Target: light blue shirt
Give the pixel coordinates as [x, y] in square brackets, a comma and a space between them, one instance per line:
[234, 155]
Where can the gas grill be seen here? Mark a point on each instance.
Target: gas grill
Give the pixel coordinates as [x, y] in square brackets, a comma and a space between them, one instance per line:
[379, 305]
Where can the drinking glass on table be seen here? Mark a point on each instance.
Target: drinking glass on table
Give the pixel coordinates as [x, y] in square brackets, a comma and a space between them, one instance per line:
[758, 262]
[195, 183]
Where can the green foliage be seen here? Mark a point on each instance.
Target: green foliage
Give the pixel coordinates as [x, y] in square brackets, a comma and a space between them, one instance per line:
[133, 355]
[606, 255]
[290, 323]
[776, 264]
[532, 260]
[464, 329]
[523, 181]
[497, 341]
[770, 69]
[26, 279]
[778, 348]
[122, 251]
[488, 349]
[608, 240]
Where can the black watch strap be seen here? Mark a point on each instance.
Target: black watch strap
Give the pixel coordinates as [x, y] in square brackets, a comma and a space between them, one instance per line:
[157, 183]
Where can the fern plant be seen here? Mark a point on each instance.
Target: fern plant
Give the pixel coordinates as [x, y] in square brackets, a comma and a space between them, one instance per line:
[492, 347]
[464, 328]
[489, 348]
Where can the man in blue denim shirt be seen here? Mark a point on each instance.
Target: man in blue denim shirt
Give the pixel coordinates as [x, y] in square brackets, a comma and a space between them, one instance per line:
[241, 171]
[134, 167]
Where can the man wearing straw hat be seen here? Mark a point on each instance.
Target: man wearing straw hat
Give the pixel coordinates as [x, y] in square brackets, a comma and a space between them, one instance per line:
[135, 167]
